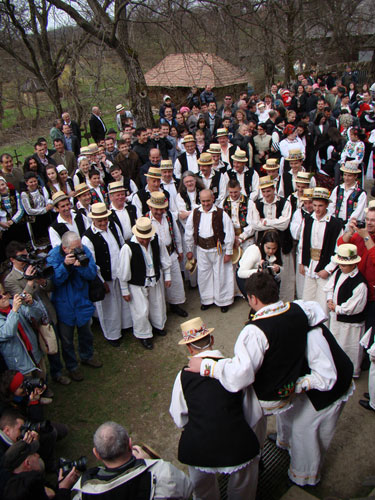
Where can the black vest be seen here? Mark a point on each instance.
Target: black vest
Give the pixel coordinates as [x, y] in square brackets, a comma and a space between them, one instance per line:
[186, 198]
[144, 195]
[248, 178]
[331, 233]
[138, 265]
[215, 183]
[81, 176]
[102, 255]
[286, 239]
[344, 368]
[286, 334]
[183, 160]
[132, 212]
[61, 228]
[344, 294]
[288, 184]
[213, 413]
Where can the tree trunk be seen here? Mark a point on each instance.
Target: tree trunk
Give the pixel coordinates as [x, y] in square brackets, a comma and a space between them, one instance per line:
[1, 105]
[138, 92]
[74, 92]
[37, 111]
[19, 102]
[53, 92]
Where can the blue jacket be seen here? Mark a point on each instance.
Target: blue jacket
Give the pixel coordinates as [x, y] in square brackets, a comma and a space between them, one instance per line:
[11, 346]
[71, 294]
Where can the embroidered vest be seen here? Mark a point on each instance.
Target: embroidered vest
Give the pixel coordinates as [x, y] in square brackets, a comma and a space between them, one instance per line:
[242, 212]
[351, 203]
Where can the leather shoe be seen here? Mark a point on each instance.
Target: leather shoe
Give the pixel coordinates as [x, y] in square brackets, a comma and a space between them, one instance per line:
[204, 307]
[48, 393]
[93, 362]
[366, 404]
[178, 310]
[366, 395]
[147, 343]
[224, 309]
[45, 401]
[76, 375]
[161, 333]
[63, 380]
[114, 343]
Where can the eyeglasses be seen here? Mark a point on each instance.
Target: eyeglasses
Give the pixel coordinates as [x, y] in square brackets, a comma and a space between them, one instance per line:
[3, 295]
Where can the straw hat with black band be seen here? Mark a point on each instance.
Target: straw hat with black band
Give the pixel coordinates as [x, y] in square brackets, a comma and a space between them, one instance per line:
[271, 164]
[59, 196]
[157, 200]
[154, 173]
[115, 187]
[266, 181]
[81, 189]
[143, 228]
[321, 193]
[205, 159]
[99, 211]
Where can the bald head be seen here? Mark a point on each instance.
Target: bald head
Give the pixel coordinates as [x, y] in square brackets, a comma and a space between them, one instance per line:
[207, 199]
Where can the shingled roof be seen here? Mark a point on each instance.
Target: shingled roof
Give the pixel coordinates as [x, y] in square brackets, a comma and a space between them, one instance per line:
[200, 69]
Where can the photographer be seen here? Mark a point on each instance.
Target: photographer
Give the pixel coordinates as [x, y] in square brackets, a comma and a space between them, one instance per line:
[39, 288]
[71, 300]
[26, 479]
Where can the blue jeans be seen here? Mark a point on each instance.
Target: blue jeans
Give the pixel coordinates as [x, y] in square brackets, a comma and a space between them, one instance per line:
[85, 344]
[54, 360]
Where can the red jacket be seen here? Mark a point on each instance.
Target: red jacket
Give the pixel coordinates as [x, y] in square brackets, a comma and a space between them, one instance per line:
[367, 264]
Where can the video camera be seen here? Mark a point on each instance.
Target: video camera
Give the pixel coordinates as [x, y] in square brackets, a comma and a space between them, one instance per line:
[42, 270]
[67, 465]
[39, 427]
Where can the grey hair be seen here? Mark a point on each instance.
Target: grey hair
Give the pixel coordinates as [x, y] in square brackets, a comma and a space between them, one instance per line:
[198, 181]
[68, 238]
[111, 441]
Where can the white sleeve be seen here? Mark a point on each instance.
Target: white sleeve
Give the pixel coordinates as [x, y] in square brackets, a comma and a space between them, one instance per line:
[314, 311]
[332, 206]
[329, 286]
[138, 205]
[296, 224]
[229, 234]
[189, 233]
[165, 261]
[254, 186]
[54, 237]
[359, 212]
[282, 222]
[177, 235]
[125, 271]
[222, 191]
[248, 264]
[177, 169]
[178, 407]
[323, 374]
[238, 372]
[28, 209]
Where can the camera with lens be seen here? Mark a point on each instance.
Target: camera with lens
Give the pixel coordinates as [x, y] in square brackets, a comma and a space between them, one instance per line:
[29, 384]
[263, 266]
[361, 224]
[42, 270]
[23, 296]
[81, 256]
[39, 427]
[67, 465]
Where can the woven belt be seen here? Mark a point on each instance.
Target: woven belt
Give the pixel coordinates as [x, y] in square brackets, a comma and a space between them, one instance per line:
[206, 243]
[315, 253]
[170, 248]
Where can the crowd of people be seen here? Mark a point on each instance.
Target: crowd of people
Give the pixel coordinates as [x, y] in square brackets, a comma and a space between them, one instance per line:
[262, 198]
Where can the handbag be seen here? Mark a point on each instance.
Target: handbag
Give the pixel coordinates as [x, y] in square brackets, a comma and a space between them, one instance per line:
[96, 289]
[47, 339]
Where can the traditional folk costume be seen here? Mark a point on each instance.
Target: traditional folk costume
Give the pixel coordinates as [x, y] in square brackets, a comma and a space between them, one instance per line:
[38, 218]
[348, 203]
[276, 215]
[141, 197]
[306, 430]
[269, 353]
[213, 236]
[206, 411]
[124, 217]
[316, 247]
[113, 312]
[142, 275]
[79, 222]
[169, 234]
[349, 293]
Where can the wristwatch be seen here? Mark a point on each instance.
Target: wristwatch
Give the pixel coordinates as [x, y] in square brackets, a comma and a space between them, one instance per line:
[366, 238]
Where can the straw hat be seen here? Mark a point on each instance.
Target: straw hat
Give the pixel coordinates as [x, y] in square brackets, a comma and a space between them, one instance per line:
[154, 173]
[85, 150]
[294, 155]
[188, 138]
[347, 255]
[307, 194]
[143, 228]
[205, 159]
[115, 187]
[371, 204]
[221, 132]
[237, 254]
[321, 193]
[157, 200]
[92, 149]
[59, 196]
[214, 149]
[119, 108]
[99, 211]
[271, 164]
[303, 177]
[191, 265]
[194, 330]
[239, 155]
[166, 165]
[350, 167]
[266, 181]
[81, 189]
